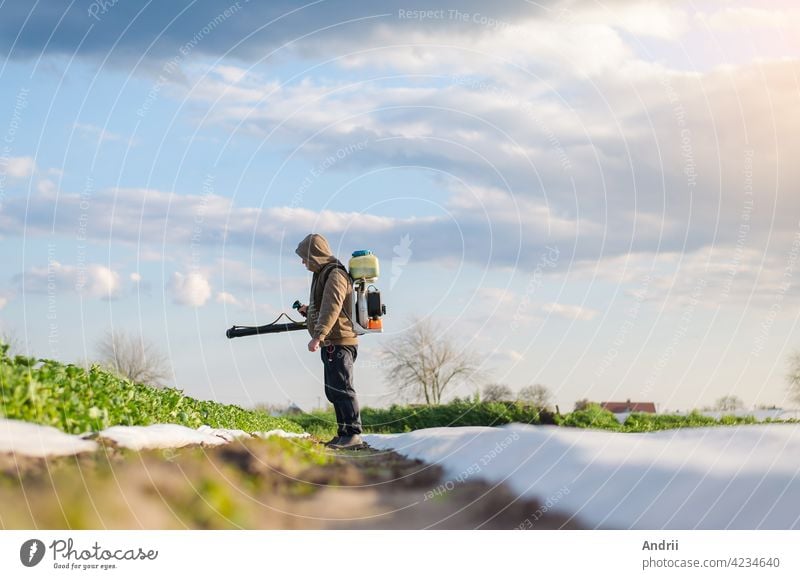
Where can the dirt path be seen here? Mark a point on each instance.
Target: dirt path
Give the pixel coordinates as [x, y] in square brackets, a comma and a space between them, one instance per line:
[254, 484]
[409, 494]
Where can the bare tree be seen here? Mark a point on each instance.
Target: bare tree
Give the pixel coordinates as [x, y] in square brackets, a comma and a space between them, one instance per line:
[10, 338]
[423, 363]
[582, 404]
[793, 377]
[497, 393]
[536, 394]
[729, 402]
[133, 357]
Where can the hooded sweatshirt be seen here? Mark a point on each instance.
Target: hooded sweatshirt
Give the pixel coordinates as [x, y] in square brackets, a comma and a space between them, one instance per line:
[329, 307]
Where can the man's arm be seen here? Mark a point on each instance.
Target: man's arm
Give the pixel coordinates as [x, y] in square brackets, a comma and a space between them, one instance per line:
[333, 295]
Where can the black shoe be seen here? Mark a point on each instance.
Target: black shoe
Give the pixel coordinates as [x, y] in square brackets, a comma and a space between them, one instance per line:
[350, 442]
[332, 441]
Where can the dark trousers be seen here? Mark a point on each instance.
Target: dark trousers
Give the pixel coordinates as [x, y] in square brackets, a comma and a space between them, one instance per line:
[338, 362]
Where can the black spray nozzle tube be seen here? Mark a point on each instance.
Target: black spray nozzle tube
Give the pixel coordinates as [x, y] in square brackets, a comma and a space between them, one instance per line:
[241, 331]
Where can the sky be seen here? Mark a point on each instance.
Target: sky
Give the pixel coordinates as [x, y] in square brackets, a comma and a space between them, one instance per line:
[601, 197]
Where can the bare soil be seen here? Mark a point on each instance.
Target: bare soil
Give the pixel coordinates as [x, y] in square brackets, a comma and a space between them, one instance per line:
[253, 484]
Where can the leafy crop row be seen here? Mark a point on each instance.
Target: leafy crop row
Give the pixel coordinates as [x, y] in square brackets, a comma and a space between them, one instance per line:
[77, 400]
[594, 416]
[407, 418]
[471, 413]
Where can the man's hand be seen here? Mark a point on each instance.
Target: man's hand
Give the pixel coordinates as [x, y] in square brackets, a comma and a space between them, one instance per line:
[303, 310]
[313, 345]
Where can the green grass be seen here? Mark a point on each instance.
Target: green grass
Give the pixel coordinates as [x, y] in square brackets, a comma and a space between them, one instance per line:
[407, 418]
[470, 413]
[594, 416]
[76, 400]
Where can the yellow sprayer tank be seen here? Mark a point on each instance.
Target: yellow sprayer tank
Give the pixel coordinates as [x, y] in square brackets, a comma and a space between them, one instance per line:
[364, 265]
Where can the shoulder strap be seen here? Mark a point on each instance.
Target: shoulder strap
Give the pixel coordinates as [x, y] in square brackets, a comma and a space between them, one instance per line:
[324, 274]
[327, 270]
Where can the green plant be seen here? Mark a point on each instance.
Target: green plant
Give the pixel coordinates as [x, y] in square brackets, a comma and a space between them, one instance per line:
[459, 412]
[77, 400]
[591, 416]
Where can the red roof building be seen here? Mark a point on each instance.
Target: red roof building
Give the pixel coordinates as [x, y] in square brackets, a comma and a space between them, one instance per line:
[628, 406]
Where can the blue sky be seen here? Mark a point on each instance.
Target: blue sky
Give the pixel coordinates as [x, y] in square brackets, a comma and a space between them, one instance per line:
[598, 197]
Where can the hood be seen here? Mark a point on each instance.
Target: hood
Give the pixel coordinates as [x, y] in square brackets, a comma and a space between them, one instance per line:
[315, 250]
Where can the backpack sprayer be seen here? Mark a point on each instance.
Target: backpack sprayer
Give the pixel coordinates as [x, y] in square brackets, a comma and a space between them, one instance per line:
[367, 306]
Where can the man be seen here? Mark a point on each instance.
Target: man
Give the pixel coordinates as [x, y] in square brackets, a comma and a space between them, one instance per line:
[328, 313]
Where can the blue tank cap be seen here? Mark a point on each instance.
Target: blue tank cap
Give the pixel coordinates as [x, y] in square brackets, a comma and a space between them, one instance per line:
[361, 252]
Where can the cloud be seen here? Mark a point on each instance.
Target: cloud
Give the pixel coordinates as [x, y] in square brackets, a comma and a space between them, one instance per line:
[561, 35]
[514, 355]
[227, 298]
[241, 275]
[99, 282]
[246, 31]
[555, 131]
[738, 276]
[192, 289]
[491, 236]
[93, 280]
[139, 285]
[17, 167]
[46, 186]
[115, 214]
[570, 312]
[642, 157]
[3, 301]
[748, 17]
[231, 74]
[741, 277]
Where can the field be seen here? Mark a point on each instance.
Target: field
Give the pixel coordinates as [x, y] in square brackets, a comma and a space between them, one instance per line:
[465, 464]
[77, 400]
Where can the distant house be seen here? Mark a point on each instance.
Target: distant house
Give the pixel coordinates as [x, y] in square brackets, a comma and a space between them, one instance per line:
[628, 407]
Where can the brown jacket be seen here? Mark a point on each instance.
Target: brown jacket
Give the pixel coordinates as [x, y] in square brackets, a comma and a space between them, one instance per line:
[329, 307]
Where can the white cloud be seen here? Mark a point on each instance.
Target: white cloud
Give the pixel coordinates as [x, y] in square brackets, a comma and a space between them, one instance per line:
[227, 298]
[46, 186]
[664, 20]
[748, 17]
[242, 275]
[3, 302]
[513, 355]
[541, 155]
[231, 74]
[570, 312]
[18, 167]
[100, 282]
[192, 289]
[741, 277]
[602, 159]
[135, 277]
[93, 280]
